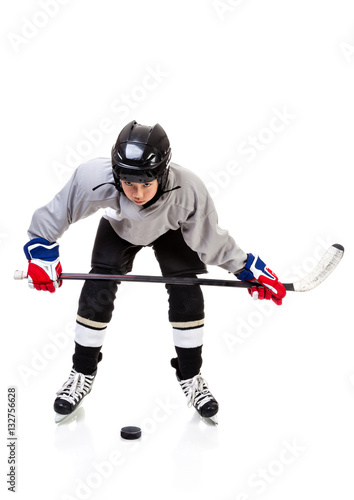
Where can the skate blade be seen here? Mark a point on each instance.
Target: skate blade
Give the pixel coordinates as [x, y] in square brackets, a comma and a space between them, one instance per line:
[214, 419]
[58, 417]
[211, 420]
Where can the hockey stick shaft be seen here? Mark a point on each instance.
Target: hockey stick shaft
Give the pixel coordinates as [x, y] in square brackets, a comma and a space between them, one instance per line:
[326, 265]
[167, 280]
[154, 279]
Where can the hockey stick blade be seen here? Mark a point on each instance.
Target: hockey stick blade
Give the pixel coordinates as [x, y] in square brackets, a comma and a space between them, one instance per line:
[326, 265]
[323, 269]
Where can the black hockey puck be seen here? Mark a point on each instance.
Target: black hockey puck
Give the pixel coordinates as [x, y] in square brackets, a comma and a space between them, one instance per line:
[130, 432]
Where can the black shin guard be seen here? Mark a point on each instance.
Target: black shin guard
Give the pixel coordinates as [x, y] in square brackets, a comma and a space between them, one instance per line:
[86, 359]
[189, 361]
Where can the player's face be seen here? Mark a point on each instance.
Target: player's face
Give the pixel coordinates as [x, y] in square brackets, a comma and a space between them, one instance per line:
[140, 193]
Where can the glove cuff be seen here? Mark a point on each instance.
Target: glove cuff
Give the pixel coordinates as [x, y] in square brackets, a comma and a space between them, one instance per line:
[42, 249]
[246, 274]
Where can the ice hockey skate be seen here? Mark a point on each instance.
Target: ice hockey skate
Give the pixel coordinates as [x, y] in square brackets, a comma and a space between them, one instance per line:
[198, 395]
[72, 393]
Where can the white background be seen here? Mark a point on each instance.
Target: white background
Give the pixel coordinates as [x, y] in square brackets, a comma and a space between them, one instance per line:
[284, 376]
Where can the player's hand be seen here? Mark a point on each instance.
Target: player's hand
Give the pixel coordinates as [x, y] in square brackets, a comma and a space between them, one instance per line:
[267, 286]
[44, 267]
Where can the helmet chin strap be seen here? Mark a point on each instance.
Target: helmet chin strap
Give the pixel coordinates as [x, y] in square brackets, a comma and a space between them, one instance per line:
[158, 196]
[169, 190]
[149, 203]
[162, 180]
[104, 184]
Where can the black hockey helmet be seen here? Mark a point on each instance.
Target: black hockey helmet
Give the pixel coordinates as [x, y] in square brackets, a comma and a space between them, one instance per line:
[141, 154]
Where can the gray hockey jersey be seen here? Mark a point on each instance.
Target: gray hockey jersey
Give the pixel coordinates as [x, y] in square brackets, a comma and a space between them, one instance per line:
[189, 208]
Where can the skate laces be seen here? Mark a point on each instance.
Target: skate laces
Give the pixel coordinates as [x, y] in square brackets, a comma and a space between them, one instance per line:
[197, 391]
[77, 386]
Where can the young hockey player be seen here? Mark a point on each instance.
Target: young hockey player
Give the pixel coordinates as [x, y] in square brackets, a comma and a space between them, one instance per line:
[149, 201]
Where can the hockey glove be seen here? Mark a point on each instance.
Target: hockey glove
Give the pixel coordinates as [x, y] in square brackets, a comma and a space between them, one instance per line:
[44, 267]
[256, 270]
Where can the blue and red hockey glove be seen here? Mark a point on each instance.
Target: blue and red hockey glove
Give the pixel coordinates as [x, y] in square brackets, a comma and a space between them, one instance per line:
[267, 286]
[44, 267]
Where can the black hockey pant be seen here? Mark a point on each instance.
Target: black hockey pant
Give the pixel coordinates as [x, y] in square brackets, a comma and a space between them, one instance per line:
[113, 255]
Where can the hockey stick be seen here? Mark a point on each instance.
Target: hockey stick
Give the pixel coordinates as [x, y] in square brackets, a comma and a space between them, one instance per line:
[323, 269]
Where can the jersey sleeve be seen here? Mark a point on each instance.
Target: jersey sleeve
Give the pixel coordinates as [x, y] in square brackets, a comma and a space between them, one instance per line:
[75, 201]
[214, 245]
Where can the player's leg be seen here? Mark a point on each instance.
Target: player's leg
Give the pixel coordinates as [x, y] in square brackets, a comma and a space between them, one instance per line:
[111, 255]
[186, 315]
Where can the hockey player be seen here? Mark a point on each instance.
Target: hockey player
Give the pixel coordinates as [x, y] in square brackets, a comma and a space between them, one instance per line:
[149, 201]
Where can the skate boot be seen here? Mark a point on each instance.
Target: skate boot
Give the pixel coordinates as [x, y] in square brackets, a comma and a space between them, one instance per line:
[198, 395]
[71, 395]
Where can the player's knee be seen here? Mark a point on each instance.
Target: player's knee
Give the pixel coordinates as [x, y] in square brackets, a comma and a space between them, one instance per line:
[186, 302]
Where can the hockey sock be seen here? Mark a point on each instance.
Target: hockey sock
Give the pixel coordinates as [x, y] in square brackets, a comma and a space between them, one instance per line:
[189, 361]
[86, 359]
